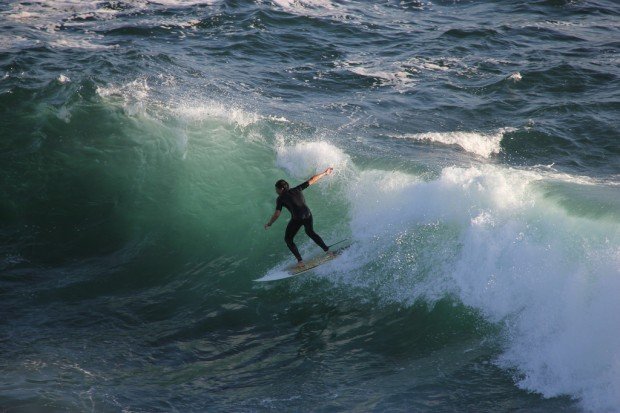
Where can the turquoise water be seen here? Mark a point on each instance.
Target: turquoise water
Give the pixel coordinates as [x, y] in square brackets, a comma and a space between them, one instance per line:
[477, 174]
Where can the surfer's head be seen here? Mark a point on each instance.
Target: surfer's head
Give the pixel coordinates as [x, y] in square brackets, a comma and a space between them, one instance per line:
[281, 186]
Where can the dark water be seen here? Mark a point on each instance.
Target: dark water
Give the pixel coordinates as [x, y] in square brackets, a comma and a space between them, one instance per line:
[477, 173]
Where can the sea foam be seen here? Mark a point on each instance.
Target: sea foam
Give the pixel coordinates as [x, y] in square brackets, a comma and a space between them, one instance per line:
[551, 279]
[306, 158]
[483, 144]
[163, 98]
[490, 237]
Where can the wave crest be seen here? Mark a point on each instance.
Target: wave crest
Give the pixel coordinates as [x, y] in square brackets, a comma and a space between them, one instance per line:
[479, 143]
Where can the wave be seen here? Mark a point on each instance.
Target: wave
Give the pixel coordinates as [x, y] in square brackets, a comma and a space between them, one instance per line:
[138, 97]
[65, 42]
[470, 32]
[306, 158]
[397, 78]
[482, 144]
[493, 238]
[312, 8]
[405, 75]
[497, 239]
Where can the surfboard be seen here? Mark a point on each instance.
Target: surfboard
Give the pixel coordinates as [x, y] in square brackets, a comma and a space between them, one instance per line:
[310, 264]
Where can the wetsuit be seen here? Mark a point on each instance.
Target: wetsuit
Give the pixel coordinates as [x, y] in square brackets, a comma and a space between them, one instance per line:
[294, 201]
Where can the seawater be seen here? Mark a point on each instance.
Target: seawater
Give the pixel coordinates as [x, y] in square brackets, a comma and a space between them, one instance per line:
[477, 174]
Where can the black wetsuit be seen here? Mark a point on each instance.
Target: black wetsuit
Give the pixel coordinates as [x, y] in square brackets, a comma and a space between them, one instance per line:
[294, 201]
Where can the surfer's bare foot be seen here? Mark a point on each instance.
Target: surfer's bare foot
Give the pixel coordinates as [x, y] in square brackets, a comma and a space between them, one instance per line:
[300, 264]
[329, 253]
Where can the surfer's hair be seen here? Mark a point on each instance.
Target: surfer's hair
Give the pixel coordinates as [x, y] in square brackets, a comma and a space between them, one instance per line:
[282, 184]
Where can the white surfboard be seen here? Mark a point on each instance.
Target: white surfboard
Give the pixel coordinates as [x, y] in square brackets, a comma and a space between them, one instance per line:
[310, 264]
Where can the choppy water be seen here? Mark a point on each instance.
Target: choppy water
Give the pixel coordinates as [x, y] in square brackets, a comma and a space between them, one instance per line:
[477, 171]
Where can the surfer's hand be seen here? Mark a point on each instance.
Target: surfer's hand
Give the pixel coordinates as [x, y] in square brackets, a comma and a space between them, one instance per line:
[328, 171]
[267, 226]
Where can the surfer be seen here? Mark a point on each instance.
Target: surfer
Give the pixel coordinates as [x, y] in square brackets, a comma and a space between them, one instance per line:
[294, 201]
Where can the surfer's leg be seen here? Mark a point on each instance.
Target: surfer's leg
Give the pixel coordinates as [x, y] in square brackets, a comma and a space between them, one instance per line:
[315, 237]
[291, 230]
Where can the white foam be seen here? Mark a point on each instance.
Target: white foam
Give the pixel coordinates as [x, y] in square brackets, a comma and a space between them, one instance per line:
[44, 13]
[387, 74]
[64, 42]
[439, 66]
[138, 89]
[306, 158]
[280, 119]
[133, 96]
[188, 24]
[398, 77]
[515, 76]
[64, 114]
[160, 97]
[177, 3]
[314, 8]
[212, 109]
[491, 237]
[47, 17]
[481, 143]
[304, 7]
[63, 79]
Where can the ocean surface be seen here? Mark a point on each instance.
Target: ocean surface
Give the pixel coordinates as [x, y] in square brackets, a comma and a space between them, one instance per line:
[476, 155]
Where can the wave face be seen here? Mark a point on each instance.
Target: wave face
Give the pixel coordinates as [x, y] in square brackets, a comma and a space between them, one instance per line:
[476, 176]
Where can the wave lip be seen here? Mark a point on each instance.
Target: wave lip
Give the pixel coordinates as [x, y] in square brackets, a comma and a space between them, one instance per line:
[479, 143]
[141, 94]
[305, 158]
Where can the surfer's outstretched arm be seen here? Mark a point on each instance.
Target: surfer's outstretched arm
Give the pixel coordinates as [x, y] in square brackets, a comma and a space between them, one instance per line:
[273, 218]
[316, 177]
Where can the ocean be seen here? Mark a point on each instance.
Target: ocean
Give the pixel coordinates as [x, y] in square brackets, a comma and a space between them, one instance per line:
[476, 155]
